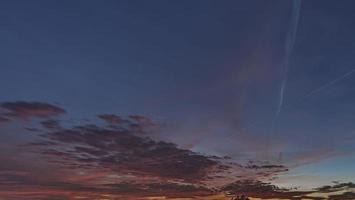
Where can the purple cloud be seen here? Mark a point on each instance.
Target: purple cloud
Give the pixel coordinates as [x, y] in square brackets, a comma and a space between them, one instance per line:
[90, 146]
[27, 110]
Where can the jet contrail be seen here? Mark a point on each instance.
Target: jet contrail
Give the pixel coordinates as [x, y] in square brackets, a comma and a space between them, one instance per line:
[328, 84]
[290, 42]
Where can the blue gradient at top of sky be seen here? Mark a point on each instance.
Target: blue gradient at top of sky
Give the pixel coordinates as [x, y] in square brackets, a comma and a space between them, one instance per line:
[209, 66]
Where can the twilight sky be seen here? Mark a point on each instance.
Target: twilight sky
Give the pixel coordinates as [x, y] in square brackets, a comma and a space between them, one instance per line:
[171, 99]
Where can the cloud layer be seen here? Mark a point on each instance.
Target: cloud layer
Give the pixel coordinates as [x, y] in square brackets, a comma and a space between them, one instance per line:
[118, 160]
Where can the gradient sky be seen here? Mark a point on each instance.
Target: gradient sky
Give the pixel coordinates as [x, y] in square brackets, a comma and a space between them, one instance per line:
[194, 83]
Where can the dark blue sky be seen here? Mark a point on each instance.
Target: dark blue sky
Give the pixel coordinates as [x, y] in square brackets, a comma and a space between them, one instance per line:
[209, 70]
[119, 52]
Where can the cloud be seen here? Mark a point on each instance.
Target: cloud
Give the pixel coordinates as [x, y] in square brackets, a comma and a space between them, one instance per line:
[15, 185]
[119, 160]
[253, 166]
[122, 155]
[337, 187]
[312, 156]
[123, 148]
[155, 189]
[258, 189]
[4, 120]
[136, 123]
[20, 185]
[344, 196]
[111, 119]
[90, 146]
[27, 110]
[51, 124]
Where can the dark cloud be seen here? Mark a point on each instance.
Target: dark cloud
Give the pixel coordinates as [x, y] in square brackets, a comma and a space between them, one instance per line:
[121, 150]
[49, 189]
[141, 119]
[344, 196]
[263, 170]
[143, 124]
[136, 123]
[258, 189]
[111, 119]
[337, 187]
[4, 120]
[27, 110]
[270, 167]
[157, 189]
[51, 124]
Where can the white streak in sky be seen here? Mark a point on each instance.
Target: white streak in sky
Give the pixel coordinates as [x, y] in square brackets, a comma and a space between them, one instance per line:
[290, 42]
[328, 84]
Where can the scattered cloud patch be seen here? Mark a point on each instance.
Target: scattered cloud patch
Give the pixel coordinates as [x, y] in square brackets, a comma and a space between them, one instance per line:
[111, 119]
[51, 124]
[27, 110]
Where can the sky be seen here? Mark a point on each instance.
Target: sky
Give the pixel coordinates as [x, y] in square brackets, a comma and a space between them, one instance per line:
[177, 99]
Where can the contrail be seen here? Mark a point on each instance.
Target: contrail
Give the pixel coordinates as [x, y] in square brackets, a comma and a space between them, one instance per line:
[290, 42]
[328, 84]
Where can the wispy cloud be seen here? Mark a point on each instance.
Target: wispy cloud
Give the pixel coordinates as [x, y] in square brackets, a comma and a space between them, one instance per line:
[27, 110]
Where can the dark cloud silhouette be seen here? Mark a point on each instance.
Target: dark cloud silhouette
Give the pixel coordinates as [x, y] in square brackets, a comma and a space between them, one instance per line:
[90, 146]
[258, 189]
[265, 166]
[27, 110]
[122, 149]
[337, 187]
[343, 196]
